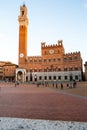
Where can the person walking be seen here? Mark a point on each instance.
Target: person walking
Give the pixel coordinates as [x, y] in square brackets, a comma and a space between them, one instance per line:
[15, 84]
[56, 85]
[61, 86]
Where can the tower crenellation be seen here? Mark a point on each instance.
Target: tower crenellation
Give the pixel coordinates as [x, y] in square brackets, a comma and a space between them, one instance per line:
[59, 44]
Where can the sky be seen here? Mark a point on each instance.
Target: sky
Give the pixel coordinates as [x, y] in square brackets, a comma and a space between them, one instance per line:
[49, 21]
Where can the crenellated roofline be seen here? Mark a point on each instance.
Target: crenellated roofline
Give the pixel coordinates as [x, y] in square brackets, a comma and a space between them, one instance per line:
[59, 44]
[72, 53]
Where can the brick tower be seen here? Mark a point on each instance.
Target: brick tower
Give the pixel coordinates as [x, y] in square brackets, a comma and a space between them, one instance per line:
[23, 26]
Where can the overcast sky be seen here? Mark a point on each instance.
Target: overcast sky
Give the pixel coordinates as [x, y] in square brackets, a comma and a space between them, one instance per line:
[49, 21]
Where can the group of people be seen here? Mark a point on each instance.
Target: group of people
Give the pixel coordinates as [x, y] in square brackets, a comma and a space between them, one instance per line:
[57, 85]
[16, 83]
[72, 84]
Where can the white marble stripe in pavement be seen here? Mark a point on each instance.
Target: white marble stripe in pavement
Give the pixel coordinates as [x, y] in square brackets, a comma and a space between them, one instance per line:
[33, 124]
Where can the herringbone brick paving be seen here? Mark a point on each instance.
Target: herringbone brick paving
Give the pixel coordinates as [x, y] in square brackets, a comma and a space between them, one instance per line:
[30, 101]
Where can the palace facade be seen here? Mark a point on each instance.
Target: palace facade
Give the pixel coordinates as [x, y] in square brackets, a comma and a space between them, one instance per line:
[53, 64]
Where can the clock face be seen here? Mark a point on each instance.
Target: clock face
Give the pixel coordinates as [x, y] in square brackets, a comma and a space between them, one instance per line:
[51, 51]
[21, 55]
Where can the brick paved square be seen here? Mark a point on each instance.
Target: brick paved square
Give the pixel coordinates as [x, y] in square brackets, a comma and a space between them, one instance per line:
[30, 101]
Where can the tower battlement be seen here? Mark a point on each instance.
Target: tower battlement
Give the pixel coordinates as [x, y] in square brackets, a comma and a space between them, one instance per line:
[72, 53]
[59, 44]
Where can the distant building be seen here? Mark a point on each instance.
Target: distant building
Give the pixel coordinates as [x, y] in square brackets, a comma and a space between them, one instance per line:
[1, 69]
[7, 71]
[85, 65]
[53, 64]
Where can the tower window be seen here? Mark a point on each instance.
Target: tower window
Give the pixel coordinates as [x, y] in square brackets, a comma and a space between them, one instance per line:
[59, 59]
[75, 57]
[70, 69]
[22, 13]
[31, 61]
[49, 60]
[30, 70]
[39, 70]
[22, 26]
[40, 77]
[45, 70]
[45, 60]
[76, 77]
[59, 77]
[54, 77]
[50, 77]
[65, 69]
[35, 70]
[45, 77]
[65, 59]
[70, 58]
[66, 77]
[54, 60]
[40, 60]
[35, 61]
[59, 69]
[76, 68]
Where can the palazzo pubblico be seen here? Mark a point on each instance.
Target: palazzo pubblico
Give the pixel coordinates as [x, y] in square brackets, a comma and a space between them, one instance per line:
[53, 64]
